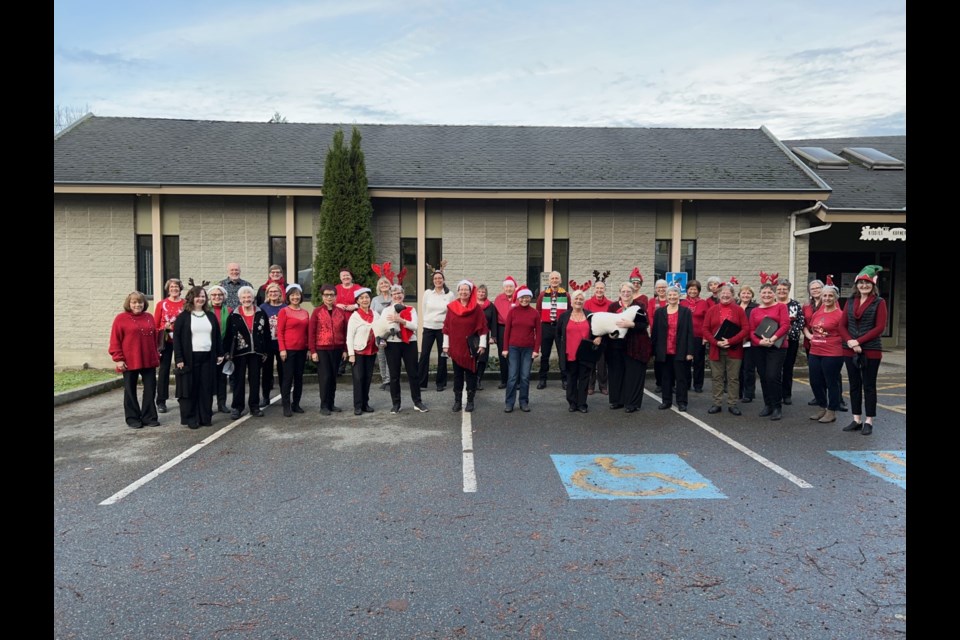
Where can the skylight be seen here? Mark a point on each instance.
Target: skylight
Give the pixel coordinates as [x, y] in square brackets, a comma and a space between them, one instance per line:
[873, 159]
[820, 158]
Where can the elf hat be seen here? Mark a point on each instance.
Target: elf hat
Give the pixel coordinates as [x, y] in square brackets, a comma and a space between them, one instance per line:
[869, 272]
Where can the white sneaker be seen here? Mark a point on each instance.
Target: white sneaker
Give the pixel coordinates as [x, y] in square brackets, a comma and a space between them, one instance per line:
[420, 407]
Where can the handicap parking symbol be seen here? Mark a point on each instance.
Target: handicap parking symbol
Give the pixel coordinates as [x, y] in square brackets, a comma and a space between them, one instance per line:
[619, 477]
[889, 465]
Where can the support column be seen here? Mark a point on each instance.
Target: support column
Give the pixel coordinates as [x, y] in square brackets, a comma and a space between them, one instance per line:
[421, 259]
[290, 269]
[157, 239]
[676, 235]
[548, 237]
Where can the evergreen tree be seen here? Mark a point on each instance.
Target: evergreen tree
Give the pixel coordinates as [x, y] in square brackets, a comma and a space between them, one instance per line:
[344, 237]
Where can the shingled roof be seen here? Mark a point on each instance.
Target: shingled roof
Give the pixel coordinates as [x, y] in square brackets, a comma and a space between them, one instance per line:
[150, 151]
[859, 187]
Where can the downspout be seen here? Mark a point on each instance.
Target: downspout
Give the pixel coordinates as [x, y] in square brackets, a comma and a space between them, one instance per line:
[794, 233]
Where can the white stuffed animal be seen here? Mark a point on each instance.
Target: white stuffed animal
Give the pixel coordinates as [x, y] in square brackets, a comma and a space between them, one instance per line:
[604, 323]
[382, 327]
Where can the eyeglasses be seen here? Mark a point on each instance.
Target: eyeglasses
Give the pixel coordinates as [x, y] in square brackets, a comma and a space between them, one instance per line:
[329, 295]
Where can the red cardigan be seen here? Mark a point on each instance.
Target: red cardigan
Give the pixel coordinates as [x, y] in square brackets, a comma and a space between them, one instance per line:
[712, 321]
[778, 311]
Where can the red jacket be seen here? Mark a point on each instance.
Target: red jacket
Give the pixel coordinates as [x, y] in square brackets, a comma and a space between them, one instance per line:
[328, 331]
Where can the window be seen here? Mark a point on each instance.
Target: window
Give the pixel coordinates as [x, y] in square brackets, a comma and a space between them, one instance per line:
[535, 262]
[171, 261]
[688, 259]
[408, 259]
[303, 258]
[278, 252]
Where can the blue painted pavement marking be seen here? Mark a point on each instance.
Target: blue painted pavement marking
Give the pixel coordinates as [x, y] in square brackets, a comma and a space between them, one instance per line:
[632, 477]
[889, 465]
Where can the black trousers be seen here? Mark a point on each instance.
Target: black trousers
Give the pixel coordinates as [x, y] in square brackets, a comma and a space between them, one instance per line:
[548, 338]
[163, 374]
[266, 369]
[246, 368]
[748, 374]
[504, 362]
[769, 362]
[626, 378]
[863, 386]
[459, 373]
[405, 352]
[291, 377]
[789, 360]
[134, 413]
[363, 367]
[697, 366]
[598, 374]
[196, 408]
[222, 381]
[429, 337]
[328, 363]
[578, 379]
[674, 371]
[658, 373]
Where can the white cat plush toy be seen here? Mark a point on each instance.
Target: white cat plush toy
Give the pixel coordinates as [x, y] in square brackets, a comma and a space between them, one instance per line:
[604, 323]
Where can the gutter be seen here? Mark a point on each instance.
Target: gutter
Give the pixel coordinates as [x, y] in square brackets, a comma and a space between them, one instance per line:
[792, 269]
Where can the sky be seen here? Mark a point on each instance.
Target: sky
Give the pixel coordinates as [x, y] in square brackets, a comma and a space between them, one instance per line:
[803, 69]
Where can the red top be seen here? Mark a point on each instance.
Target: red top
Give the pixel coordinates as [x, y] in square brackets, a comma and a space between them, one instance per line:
[328, 329]
[672, 332]
[458, 327]
[594, 306]
[577, 332]
[248, 319]
[133, 341]
[293, 326]
[858, 309]
[344, 295]
[165, 313]
[711, 323]
[777, 311]
[698, 307]
[653, 304]
[522, 329]
[829, 332]
[503, 305]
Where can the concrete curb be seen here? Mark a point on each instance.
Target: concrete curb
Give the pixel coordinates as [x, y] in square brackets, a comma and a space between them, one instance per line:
[86, 391]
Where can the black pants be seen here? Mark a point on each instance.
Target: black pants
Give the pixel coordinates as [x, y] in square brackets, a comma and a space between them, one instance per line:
[504, 361]
[696, 367]
[674, 371]
[196, 403]
[266, 370]
[363, 367]
[598, 374]
[578, 379]
[163, 374]
[548, 338]
[769, 362]
[789, 360]
[748, 374]
[134, 413]
[222, 381]
[407, 353]
[863, 386]
[431, 336]
[328, 363]
[291, 377]
[247, 368]
[658, 373]
[459, 373]
[626, 377]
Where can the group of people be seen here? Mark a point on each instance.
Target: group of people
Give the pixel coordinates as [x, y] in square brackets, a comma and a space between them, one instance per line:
[230, 333]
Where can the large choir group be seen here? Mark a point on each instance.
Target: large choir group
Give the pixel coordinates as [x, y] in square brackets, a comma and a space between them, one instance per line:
[231, 334]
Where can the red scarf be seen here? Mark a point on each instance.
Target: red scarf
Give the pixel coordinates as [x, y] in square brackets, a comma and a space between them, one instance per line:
[860, 307]
[459, 309]
[367, 315]
[407, 314]
[283, 286]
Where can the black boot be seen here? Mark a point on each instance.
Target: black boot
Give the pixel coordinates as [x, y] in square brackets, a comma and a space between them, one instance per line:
[469, 406]
[481, 367]
[287, 411]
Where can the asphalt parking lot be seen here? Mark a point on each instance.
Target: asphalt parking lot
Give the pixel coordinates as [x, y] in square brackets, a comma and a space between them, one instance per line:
[655, 524]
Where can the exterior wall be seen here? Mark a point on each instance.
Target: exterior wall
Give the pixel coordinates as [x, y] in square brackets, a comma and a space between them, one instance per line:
[94, 267]
[217, 230]
[483, 240]
[612, 234]
[743, 238]
[386, 230]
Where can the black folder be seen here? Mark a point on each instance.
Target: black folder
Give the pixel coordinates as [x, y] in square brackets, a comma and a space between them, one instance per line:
[767, 328]
[727, 330]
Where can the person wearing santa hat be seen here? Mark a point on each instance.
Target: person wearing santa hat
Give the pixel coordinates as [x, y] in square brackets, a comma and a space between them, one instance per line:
[865, 319]
[521, 342]
[465, 335]
[503, 303]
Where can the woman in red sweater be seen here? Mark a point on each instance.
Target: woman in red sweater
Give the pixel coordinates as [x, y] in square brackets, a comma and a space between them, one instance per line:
[166, 314]
[133, 346]
[726, 353]
[768, 355]
[327, 342]
[698, 307]
[865, 318]
[827, 333]
[293, 327]
[572, 329]
[521, 344]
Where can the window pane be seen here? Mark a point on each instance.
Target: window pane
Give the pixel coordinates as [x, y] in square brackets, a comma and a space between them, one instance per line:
[304, 261]
[434, 256]
[278, 251]
[661, 259]
[145, 264]
[688, 258]
[171, 258]
[561, 259]
[408, 260]
[534, 266]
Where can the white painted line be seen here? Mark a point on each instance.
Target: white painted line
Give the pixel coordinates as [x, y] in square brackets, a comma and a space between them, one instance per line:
[800, 482]
[466, 439]
[123, 493]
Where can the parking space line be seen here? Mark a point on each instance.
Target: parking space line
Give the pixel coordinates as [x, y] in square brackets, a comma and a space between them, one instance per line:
[123, 493]
[466, 440]
[800, 482]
